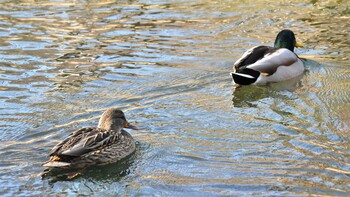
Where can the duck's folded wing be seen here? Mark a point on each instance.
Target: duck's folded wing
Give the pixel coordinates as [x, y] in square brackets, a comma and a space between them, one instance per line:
[90, 143]
[252, 55]
[81, 141]
[271, 61]
[73, 138]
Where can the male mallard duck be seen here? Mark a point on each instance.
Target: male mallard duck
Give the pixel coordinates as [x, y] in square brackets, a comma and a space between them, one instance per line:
[263, 64]
[88, 146]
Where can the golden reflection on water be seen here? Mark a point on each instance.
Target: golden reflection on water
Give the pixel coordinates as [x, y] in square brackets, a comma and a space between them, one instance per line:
[166, 65]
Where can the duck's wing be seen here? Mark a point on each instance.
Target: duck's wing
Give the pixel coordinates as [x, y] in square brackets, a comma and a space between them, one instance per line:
[273, 59]
[73, 138]
[252, 55]
[83, 141]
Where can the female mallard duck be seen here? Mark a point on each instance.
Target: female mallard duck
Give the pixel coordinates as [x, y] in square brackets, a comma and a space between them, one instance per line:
[263, 64]
[88, 146]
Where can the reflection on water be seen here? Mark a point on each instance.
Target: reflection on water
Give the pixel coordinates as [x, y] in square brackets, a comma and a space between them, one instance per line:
[166, 64]
[246, 95]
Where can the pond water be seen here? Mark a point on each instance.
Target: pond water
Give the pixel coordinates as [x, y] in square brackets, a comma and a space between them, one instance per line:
[166, 64]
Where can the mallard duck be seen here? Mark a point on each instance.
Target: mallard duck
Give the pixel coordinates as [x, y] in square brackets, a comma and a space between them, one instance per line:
[263, 64]
[106, 143]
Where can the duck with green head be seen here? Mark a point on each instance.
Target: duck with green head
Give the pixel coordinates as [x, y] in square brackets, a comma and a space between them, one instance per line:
[263, 64]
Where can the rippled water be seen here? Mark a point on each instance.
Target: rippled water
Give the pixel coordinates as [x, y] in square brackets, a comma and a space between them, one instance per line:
[166, 64]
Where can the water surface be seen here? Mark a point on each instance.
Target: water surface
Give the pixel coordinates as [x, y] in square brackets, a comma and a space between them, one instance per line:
[166, 64]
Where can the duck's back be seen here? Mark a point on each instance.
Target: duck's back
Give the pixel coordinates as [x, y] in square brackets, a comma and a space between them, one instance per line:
[112, 152]
[253, 55]
[91, 146]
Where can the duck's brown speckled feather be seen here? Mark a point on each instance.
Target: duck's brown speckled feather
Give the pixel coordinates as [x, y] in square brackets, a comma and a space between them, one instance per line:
[90, 146]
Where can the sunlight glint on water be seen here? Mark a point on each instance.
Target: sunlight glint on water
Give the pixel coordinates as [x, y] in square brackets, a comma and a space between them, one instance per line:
[166, 64]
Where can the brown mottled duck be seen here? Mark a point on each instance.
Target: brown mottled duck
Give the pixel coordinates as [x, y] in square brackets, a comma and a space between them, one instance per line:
[106, 143]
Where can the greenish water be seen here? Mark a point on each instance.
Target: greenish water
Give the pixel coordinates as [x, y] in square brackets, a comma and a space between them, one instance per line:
[166, 64]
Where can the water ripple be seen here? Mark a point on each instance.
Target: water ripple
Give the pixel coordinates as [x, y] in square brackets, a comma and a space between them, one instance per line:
[166, 64]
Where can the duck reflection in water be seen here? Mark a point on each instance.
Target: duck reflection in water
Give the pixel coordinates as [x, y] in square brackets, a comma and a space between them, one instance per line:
[245, 96]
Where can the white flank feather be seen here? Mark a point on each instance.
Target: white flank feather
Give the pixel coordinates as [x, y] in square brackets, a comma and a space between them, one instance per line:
[243, 75]
[56, 164]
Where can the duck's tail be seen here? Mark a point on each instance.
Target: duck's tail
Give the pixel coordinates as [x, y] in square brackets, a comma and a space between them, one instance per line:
[245, 76]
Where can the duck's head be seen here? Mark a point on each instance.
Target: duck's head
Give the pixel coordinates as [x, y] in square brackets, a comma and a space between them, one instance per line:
[114, 119]
[286, 39]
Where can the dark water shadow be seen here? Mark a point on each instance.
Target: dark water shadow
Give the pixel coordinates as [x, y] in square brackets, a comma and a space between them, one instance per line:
[114, 171]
